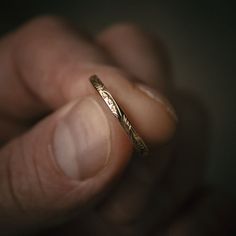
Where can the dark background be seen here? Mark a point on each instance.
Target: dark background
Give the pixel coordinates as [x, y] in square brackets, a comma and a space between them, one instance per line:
[200, 36]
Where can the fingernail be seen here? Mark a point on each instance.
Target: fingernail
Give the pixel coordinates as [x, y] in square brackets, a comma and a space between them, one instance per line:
[82, 140]
[152, 93]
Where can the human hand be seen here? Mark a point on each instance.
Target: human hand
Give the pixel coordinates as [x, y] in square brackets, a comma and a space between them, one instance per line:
[64, 156]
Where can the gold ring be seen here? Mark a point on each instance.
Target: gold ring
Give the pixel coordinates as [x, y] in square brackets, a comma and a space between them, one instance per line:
[138, 142]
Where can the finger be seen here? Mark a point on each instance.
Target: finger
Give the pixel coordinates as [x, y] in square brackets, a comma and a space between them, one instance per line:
[63, 163]
[138, 52]
[42, 47]
[134, 50]
[53, 64]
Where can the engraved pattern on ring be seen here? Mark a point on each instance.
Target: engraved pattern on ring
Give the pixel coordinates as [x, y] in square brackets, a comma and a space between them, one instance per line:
[138, 142]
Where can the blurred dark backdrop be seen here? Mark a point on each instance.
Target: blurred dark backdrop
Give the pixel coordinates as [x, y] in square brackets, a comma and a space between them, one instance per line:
[201, 38]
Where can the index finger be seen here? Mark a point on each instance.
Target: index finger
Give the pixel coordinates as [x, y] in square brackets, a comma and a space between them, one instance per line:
[48, 63]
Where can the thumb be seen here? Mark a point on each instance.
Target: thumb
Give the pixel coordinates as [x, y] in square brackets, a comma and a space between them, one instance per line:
[61, 164]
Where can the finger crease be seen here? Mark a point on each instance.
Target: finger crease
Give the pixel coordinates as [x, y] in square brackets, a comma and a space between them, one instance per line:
[11, 185]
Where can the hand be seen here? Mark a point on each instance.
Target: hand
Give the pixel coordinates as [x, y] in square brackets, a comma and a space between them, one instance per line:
[64, 157]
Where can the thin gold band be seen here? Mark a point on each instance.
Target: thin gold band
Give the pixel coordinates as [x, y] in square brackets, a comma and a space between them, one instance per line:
[138, 142]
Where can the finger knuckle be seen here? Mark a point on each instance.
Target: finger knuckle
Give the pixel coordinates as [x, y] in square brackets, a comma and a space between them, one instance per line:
[45, 23]
[41, 31]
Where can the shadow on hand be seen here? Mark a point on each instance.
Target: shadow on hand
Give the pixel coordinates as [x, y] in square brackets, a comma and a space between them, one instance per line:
[187, 205]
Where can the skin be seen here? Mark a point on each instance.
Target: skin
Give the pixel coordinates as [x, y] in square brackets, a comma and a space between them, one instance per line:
[44, 71]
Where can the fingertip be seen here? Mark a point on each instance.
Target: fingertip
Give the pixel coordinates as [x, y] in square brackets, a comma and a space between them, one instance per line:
[161, 119]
